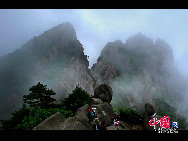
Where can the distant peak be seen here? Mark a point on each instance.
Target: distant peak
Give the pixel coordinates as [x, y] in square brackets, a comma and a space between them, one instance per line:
[139, 40]
[118, 41]
[161, 42]
[140, 35]
[67, 24]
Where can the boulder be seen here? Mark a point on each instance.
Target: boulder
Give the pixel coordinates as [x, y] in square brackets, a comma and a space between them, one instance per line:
[79, 121]
[96, 101]
[149, 109]
[76, 123]
[82, 111]
[104, 92]
[51, 123]
[148, 115]
[104, 112]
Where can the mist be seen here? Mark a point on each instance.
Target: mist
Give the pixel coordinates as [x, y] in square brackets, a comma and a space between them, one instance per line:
[142, 70]
[94, 29]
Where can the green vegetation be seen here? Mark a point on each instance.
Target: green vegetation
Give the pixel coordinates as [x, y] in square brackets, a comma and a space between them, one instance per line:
[17, 118]
[41, 106]
[77, 99]
[165, 109]
[37, 115]
[39, 96]
[162, 109]
[130, 116]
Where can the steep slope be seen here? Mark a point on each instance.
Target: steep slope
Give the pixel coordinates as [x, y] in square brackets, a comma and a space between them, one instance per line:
[139, 71]
[54, 58]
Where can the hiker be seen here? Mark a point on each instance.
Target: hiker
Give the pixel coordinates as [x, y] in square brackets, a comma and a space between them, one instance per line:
[94, 109]
[96, 120]
[102, 127]
[115, 121]
[92, 114]
[118, 117]
[89, 114]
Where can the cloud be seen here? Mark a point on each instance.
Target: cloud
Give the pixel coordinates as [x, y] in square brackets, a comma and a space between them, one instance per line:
[96, 27]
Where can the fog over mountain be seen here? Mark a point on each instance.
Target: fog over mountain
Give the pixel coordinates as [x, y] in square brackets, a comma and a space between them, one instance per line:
[96, 27]
[142, 70]
[141, 54]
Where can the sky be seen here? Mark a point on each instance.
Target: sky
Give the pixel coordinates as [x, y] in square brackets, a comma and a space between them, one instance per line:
[96, 27]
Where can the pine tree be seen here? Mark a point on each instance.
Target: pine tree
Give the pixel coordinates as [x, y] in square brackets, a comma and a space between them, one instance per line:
[40, 96]
[77, 99]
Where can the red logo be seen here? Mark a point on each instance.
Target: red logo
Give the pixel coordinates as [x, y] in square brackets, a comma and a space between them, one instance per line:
[164, 122]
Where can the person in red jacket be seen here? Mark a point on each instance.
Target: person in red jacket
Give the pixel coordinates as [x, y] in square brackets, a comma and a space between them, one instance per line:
[89, 114]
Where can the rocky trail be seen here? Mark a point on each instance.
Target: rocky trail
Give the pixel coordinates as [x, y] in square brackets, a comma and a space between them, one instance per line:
[103, 112]
[122, 126]
[111, 127]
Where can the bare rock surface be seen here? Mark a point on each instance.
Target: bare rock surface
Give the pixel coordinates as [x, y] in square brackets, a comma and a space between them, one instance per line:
[104, 92]
[51, 123]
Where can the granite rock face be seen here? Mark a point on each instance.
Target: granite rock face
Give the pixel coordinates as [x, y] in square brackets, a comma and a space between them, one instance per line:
[149, 114]
[52, 123]
[102, 97]
[79, 121]
[104, 112]
[104, 92]
[76, 73]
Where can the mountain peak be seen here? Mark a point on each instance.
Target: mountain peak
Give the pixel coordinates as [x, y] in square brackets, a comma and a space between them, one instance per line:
[65, 30]
[118, 41]
[67, 24]
[139, 40]
[57, 41]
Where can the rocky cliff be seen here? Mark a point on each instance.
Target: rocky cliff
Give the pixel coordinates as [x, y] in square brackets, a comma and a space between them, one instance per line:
[55, 58]
[139, 71]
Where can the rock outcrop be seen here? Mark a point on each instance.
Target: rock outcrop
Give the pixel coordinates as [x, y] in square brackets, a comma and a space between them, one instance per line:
[148, 115]
[54, 122]
[102, 97]
[79, 121]
[104, 92]
[104, 112]
[76, 73]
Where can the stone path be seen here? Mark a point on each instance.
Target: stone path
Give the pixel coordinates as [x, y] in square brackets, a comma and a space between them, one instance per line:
[112, 127]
